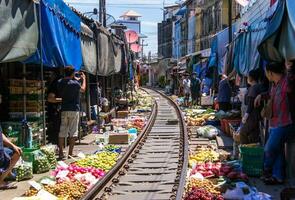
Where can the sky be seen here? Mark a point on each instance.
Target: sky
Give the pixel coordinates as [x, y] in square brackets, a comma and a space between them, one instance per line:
[151, 11]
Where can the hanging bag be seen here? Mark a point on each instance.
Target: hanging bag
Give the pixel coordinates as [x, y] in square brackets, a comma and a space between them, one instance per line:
[267, 109]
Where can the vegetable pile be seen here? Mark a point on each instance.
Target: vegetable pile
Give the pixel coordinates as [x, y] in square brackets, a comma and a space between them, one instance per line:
[103, 160]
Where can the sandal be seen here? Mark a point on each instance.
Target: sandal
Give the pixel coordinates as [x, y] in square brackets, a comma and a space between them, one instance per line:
[272, 181]
[11, 177]
[8, 186]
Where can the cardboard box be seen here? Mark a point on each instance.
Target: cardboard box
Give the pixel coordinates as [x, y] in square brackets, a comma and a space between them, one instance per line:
[118, 139]
[122, 114]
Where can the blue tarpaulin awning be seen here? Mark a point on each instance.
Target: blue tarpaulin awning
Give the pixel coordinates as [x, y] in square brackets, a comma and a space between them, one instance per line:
[181, 11]
[60, 41]
[218, 49]
[278, 42]
[245, 55]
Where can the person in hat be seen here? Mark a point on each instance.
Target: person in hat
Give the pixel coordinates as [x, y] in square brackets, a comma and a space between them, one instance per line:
[195, 88]
[186, 88]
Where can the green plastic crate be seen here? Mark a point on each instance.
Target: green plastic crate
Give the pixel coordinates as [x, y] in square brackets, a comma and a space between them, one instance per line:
[28, 154]
[252, 160]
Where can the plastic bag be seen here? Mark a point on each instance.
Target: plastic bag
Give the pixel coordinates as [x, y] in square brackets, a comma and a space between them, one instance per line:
[40, 164]
[23, 170]
[49, 151]
[208, 131]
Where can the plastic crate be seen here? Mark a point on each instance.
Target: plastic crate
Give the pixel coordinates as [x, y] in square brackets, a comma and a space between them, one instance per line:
[28, 154]
[252, 160]
[227, 123]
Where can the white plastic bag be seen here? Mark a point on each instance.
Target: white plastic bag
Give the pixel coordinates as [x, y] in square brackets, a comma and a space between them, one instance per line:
[208, 131]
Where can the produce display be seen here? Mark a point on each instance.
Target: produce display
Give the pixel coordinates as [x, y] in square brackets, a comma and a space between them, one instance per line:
[68, 190]
[31, 192]
[49, 151]
[23, 171]
[72, 181]
[210, 175]
[198, 117]
[202, 156]
[40, 163]
[112, 148]
[205, 184]
[102, 160]
[209, 170]
[201, 194]
[73, 172]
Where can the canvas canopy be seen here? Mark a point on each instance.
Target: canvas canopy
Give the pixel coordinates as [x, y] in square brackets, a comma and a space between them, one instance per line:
[278, 42]
[18, 30]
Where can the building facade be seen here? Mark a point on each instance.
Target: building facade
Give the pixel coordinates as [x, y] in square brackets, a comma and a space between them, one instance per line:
[194, 23]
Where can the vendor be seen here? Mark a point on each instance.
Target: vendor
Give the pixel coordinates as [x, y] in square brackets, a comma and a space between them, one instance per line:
[224, 94]
[95, 96]
[250, 130]
[195, 89]
[187, 89]
[9, 155]
[53, 109]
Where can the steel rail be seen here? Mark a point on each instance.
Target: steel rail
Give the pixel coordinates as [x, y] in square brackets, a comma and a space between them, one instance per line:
[121, 162]
[104, 185]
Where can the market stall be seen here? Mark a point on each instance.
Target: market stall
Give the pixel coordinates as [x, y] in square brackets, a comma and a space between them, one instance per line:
[213, 174]
[72, 179]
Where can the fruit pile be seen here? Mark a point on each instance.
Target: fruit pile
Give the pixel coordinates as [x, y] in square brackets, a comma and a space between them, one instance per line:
[202, 156]
[201, 194]
[197, 117]
[41, 165]
[204, 184]
[103, 160]
[69, 190]
[31, 192]
[209, 170]
[72, 171]
[49, 151]
[23, 172]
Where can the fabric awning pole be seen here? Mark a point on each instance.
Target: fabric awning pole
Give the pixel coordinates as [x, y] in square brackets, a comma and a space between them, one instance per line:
[97, 84]
[42, 77]
[24, 93]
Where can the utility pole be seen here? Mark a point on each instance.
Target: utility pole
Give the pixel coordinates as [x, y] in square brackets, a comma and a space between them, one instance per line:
[230, 37]
[104, 13]
[100, 11]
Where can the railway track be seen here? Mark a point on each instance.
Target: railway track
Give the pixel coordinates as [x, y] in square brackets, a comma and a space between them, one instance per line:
[154, 166]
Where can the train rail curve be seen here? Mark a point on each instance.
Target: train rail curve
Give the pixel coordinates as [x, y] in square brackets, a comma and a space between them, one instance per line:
[154, 166]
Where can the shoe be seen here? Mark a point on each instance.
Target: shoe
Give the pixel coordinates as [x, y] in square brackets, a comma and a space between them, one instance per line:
[273, 181]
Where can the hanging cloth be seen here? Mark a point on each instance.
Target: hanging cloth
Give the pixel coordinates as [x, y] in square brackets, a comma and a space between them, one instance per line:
[18, 30]
[89, 52]
[278, 42]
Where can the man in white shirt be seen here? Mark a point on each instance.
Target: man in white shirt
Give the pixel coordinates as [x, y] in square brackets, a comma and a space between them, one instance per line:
[187, 89]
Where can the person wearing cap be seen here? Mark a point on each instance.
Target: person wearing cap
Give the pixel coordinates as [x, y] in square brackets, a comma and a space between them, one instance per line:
[187, 89]
[195, 88]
